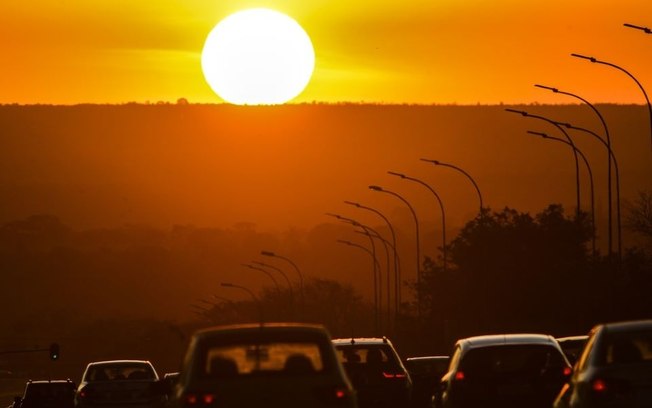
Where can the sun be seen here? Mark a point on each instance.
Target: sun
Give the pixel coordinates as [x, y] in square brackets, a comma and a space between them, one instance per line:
[258, 57]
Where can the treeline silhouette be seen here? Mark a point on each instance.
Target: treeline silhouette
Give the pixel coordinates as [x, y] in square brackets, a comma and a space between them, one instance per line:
[516, 272]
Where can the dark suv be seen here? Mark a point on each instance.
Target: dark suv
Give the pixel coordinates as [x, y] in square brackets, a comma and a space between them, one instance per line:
[376, 371]
[47, 394]
[275, 365]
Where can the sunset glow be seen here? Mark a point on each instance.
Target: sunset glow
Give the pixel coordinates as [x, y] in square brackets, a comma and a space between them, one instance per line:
[413, 51]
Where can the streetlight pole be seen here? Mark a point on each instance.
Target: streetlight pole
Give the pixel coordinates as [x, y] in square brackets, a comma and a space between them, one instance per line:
[477, 189]
[380, 283]
[253, 296]
[606, 132]
[266, 272]
[377, 272]
[647, 100]
[615, 162]
[441, 206]
[397, 263]
[285, 276]
[416, 223]
[375, 262]
[588, 167]
[296, 268]
[577, 163]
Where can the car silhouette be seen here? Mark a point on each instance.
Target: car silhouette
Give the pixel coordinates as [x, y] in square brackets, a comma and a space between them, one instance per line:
[506, 370]
[376, 371]
[47, 394]
[119, 383]
[614, 370]
[262, 365]
[426, 372]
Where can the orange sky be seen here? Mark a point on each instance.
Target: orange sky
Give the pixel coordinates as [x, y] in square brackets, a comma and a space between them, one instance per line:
[410, 51]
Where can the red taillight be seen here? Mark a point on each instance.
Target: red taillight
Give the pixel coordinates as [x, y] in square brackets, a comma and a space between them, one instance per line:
[191, 399]
[599, 386]
[459, 376]
[84, 393]
[567, 371]
[199, 399]
[393, 375]
[334, 393]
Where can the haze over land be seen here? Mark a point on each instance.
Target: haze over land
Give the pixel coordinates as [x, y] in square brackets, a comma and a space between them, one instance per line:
[154, 205]
[284, 166]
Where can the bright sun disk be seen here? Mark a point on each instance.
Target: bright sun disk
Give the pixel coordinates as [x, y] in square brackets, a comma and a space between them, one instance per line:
[258, 57]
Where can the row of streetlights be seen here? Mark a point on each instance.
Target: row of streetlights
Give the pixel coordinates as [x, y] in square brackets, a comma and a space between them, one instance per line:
[567, 140]
[373, 234]
[606, 141]
[261, 267]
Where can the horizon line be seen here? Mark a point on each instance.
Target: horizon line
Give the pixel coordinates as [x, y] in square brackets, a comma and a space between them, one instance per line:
[301, 104]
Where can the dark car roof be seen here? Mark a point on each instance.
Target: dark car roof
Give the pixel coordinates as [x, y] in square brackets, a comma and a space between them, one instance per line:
[627, 325]
[580, 338]
[267, 328]
[118, 362]
[361, 341]
[506, 339]
[428, 358]
[49, 382]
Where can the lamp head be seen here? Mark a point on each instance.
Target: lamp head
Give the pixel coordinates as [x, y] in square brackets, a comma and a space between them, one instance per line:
[537, 134]
[555, 90]
[393, 173]
[523, 113]
[267, 253]
[376, 188]
[592, 59]
[352, 203]
[227, 285]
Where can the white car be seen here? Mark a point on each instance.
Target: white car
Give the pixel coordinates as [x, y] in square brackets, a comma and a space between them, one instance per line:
[505, 370]
[119, 383]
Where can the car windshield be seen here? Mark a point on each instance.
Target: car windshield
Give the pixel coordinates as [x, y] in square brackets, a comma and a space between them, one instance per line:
[49, 391]
[502, 360]
[628, 348]
[262, 358]
[427, 366]
[122, 371]
[380, 355]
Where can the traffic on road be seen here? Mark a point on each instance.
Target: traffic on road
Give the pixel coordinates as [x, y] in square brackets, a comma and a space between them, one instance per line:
[300, 365]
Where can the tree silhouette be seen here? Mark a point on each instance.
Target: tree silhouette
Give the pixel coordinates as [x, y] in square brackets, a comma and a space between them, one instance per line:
[509, 270]
[639, 217]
